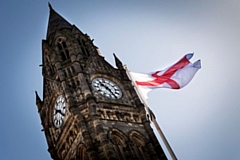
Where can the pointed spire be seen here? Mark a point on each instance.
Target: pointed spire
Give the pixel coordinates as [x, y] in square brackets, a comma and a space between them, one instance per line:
[118, 62]
[56, 21]
[50, 6]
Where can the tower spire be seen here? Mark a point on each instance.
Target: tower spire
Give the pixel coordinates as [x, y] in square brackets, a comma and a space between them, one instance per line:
[56, 21]
[50, 6]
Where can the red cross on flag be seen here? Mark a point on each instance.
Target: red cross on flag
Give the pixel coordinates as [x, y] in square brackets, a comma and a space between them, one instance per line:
[175, 77]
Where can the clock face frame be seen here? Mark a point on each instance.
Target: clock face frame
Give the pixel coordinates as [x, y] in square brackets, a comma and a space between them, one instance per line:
[107, 88]
[59, 111]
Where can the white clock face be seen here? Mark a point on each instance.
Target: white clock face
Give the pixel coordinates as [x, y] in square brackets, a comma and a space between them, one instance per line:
[59, 111]
[107, 88]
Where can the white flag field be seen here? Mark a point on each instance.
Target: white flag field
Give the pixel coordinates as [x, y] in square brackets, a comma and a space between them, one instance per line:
[174, 77]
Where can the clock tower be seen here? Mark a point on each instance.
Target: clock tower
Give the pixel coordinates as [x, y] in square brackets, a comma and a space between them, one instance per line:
[90, 109]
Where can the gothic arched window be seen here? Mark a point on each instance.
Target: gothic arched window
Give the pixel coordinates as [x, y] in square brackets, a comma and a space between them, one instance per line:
[119, 141]
[139, 146]
[73, 70]
[83, 46]
[62, 47]
[82, 153]
[49, 68]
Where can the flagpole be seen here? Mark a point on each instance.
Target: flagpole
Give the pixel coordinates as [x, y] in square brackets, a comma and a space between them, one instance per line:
[153, 119]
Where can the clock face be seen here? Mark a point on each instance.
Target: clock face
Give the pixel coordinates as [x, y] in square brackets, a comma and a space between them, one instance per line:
[59, 111]
[107, 88]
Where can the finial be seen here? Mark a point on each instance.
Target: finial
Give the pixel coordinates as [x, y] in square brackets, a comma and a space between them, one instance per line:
[49, 5]
[37, 98]
[39, 102]
[118, 62]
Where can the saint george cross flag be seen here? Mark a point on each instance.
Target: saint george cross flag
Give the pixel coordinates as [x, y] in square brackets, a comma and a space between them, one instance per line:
[175, 77]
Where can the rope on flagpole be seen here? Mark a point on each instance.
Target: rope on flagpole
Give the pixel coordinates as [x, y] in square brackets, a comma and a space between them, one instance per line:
[152, 117]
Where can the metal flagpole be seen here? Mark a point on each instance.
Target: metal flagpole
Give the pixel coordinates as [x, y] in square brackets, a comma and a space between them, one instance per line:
[153, 119]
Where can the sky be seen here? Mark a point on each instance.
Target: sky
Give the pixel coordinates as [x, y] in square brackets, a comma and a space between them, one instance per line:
[200, 121]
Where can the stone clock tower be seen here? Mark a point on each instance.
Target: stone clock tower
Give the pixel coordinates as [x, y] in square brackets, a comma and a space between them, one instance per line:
[90, 110]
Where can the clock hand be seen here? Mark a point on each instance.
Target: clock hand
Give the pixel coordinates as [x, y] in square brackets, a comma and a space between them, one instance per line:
[105, 86]
[63, 114]
[59, 111]
[111, 91]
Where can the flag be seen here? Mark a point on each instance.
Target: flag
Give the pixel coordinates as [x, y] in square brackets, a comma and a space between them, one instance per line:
[174, 77]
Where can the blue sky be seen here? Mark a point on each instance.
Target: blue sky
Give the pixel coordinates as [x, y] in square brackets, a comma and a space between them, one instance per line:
[201, 121]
